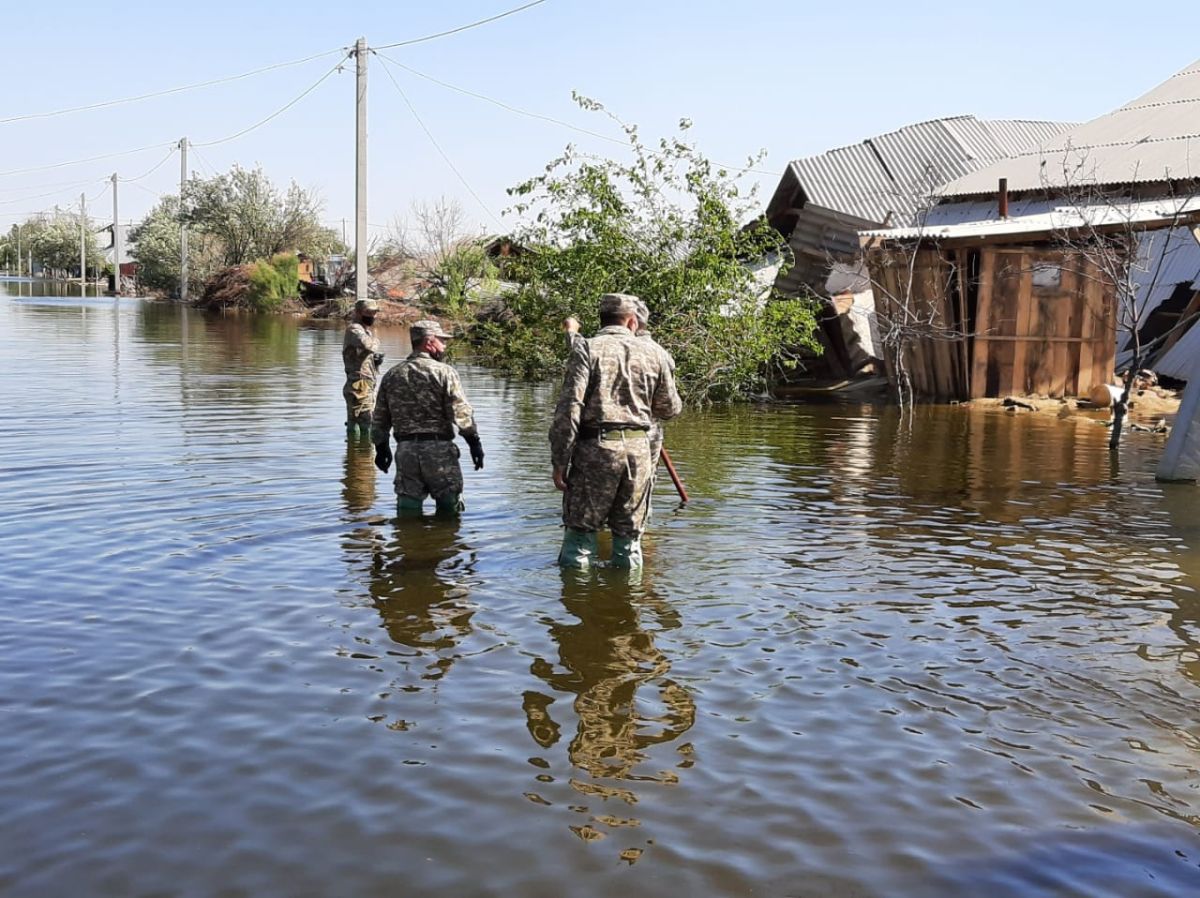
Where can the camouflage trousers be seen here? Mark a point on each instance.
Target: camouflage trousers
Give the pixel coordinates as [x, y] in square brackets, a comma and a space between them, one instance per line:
[359, 393]
[427, 468]
[609, 483]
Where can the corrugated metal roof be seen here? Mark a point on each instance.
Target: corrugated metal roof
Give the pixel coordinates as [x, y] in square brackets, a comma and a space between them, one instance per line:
[1166, 259]
[1182, 359]
[1061, 218]
[1153, 138]
[897, 171]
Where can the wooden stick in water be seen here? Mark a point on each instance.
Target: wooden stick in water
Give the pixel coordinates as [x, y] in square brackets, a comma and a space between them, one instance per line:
[666, 457]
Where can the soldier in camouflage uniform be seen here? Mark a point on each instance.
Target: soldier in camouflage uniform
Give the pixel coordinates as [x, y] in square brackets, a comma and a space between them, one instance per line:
[571, 326]
[422, 401]
[361, 358]
[616, 385]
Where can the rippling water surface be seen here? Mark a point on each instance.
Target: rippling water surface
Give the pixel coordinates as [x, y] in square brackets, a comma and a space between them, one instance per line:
[957, 657]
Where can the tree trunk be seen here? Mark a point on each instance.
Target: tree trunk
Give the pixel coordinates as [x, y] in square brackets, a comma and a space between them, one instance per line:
[1121, 406]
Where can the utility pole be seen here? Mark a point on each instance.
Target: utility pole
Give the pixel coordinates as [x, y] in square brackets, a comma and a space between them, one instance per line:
[344, 241]
[361, 276]
[19, 253]
[116, 242]
[83, 244]
[183, 235]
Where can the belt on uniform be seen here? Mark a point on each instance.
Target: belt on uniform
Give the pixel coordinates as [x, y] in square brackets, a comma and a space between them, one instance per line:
[421, 437]
[600, 433]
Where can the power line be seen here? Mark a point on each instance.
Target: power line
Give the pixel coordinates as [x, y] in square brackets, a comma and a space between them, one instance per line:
[204, 163]
[174, 144]
[460, 28]
[63, 187]
[23, 171]
[502, 105]
[152, 169]
[433, 140]
[166, 92]
[276, 113]
[544, 118]
[148, 190]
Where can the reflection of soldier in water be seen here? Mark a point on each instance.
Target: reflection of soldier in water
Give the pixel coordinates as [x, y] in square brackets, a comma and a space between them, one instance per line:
[418, 587]
[358, 482]
[604, 660]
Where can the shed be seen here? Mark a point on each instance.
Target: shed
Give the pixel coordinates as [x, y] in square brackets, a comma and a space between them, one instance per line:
[823, 201]
[989, 308]
[1143, 150]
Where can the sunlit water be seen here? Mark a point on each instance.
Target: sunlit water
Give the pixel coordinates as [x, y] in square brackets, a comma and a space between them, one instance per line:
[957, 656]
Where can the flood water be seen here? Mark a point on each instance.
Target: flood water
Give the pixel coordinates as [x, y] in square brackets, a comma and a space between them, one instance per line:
[957, 655]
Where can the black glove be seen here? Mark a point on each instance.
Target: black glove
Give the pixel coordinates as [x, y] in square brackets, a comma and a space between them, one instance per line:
[377, 358]
[383, 456]
[476, 447]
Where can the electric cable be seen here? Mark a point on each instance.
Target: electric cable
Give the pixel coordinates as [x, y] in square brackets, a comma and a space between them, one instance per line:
[204, 163]
[501, 104]
[433, 140]
[23, 171]
[460, 28]
[166, 92]
[152, 169]
[276, 113]
[545, 118]
[175, 143]
[63, 187]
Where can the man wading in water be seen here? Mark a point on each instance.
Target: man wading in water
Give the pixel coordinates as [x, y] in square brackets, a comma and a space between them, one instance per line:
[615, 387]
[361, 358]
[423, 400]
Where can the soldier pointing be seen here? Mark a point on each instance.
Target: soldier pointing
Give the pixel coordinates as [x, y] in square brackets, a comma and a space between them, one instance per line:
[616, 386]
[422, 401]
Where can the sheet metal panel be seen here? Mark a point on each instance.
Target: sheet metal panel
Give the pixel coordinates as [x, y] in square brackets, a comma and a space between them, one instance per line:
[1180, 360]
[1153, 138]
[895, 172]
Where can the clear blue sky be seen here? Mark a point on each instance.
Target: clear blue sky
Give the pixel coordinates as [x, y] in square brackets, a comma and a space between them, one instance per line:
[792, 77]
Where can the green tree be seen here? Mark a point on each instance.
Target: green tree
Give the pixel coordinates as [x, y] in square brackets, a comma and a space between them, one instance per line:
[666, 225]
[54, 240]
[155, 241]
[250, 219]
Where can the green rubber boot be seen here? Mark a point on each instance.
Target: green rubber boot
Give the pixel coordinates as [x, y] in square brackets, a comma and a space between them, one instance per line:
[364, 426]
[579, 549]
[627, 552]
[407, 506]
[351, 432]
[450, 504]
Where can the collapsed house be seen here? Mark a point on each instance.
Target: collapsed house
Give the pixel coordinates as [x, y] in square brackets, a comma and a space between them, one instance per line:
[823, 201]
[1002, 286]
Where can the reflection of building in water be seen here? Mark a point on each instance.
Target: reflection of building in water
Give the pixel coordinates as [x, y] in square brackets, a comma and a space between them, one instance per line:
[605, 659]
[417, 584]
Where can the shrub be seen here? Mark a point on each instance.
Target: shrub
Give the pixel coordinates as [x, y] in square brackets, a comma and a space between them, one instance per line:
[273, 282]
[666, 225]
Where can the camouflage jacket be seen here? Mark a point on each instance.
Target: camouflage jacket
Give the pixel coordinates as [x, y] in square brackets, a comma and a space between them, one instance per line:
[615, 379]
[358, 346]
[421, 395]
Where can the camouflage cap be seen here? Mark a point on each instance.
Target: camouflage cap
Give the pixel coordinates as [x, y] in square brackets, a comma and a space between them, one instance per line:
[366, 305]
[426, 327]
[642, 311]
[618, 304]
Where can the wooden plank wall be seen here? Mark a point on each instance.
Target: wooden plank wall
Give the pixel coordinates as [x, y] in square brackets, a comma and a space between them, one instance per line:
[935, 361]
[1053, 339]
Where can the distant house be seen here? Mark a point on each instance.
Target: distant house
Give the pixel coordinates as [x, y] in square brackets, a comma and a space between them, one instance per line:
[1000, 271]
[823, 201]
